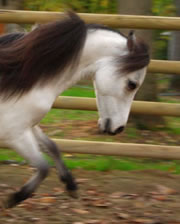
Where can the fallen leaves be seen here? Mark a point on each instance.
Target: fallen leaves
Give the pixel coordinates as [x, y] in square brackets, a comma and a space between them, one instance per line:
[80, 211]
[144, 221]
[58, 191]
[165, 190]
[47, 200]
[95, 204]
[122, 215]
[95, 221]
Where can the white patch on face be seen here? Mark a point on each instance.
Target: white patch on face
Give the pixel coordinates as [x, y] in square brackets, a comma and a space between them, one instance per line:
[114, 99]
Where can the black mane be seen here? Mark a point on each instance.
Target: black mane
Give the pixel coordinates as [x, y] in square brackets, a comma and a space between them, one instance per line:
[136, 59]
[39, 55]
[11, 37]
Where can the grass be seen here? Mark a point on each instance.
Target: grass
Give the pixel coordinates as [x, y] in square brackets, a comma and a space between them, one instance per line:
[80, 92]
[104, 163]
[7, 154]
[55, 115]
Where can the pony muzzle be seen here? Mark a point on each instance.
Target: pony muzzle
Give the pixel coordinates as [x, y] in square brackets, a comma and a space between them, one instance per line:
[107, 128]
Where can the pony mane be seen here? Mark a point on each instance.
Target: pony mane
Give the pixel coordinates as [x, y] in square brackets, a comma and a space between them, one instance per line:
[9, 38]
[40, 55]
[136, 59]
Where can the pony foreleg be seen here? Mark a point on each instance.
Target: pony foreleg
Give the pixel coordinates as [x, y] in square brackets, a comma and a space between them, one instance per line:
[27, 147]
[54, 152]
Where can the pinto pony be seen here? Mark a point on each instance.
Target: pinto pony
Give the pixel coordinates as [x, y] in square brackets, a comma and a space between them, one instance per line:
[36, 67]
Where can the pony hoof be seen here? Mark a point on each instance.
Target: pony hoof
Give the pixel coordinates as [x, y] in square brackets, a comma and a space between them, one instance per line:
[73, 194]
[70, 182]
[9, 203]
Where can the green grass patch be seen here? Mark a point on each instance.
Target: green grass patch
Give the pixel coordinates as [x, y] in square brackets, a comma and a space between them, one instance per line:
[173, 125]
[131, 132]
[56, 116]
[87, 91]
[7, 154]
[104, 163]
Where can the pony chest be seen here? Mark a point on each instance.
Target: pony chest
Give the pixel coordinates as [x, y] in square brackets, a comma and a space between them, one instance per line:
[16, 116]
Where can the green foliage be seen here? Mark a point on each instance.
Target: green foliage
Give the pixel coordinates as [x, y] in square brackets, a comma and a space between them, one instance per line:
[42, 5]
[160, 7]
[164, 7]
[88, 6]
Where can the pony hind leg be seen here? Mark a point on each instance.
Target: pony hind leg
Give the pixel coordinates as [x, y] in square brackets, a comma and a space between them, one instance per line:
[53, 151]
[27, 147]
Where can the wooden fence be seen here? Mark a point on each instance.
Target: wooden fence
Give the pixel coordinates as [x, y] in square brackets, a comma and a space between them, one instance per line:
[116, 21]
[117, 149]
[153, 108]
[138, 107]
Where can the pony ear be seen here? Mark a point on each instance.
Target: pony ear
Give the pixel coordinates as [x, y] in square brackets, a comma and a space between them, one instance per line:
[131, 39]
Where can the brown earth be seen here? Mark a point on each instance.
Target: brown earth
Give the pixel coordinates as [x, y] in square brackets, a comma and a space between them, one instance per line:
[148, 197]
[88, 130]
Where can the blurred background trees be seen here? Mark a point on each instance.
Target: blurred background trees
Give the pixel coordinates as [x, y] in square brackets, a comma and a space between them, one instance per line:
[88, 6]
[9, 4]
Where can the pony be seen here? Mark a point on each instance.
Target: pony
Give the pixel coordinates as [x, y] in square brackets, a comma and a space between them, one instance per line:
[36, 67]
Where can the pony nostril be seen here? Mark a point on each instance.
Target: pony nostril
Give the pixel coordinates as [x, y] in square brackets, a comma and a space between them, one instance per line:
[107, 125]
[119, 130]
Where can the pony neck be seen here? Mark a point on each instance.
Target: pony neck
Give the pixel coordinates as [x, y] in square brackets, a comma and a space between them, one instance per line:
[99, 44]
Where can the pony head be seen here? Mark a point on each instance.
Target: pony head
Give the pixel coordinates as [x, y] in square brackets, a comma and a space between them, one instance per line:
[116, 82]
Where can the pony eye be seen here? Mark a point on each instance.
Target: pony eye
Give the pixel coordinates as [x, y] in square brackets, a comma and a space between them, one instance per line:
[131, 85]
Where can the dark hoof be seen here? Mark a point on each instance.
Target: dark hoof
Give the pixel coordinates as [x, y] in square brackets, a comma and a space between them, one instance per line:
[9, 203]
[69, 180]
[17, 197]
[73, 194]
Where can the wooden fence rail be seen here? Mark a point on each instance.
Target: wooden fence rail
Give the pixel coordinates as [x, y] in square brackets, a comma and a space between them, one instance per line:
[138, 107]
[116, 21]
[117, 149]
[164, 66]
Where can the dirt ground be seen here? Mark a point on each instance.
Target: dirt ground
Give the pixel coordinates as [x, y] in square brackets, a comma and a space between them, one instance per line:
[148, 197]
[87, 130]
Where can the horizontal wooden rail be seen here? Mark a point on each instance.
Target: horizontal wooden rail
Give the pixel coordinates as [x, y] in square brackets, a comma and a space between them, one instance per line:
[164, 66]
[116, 21]
[117, 149]
[138, 107]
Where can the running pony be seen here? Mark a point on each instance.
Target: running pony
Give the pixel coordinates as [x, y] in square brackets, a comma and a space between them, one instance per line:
[36, 67]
